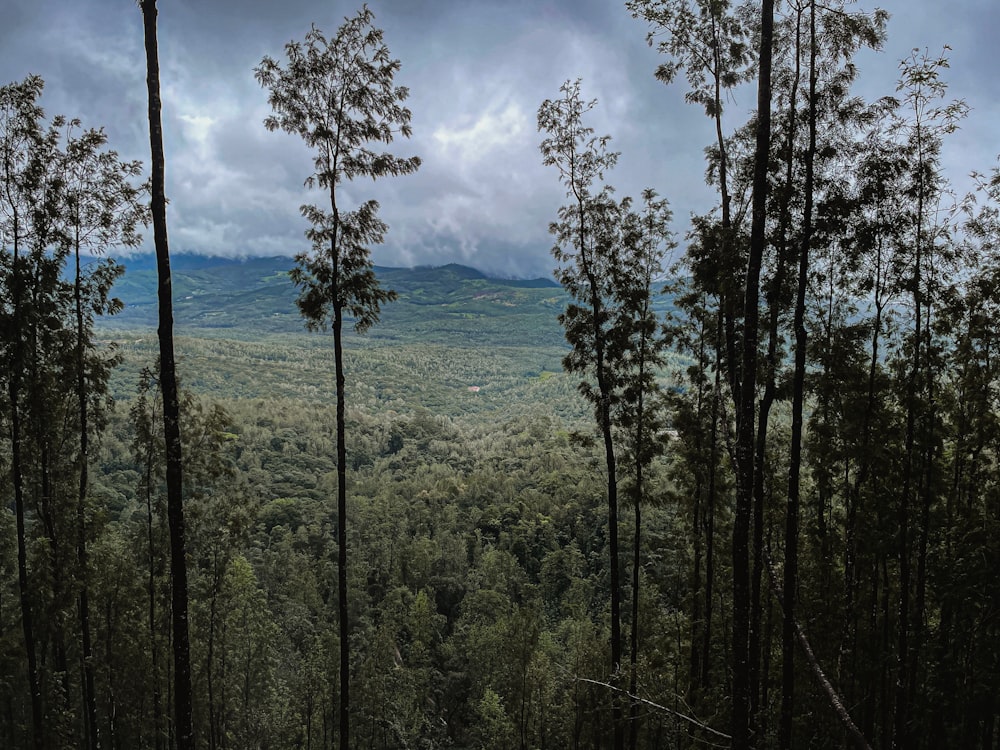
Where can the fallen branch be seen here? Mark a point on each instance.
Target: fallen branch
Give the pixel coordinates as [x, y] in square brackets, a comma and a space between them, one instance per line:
[836, 702]
[658, 707]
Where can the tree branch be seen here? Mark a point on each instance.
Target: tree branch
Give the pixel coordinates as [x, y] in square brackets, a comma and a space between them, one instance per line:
[658, 707]
[836, 702]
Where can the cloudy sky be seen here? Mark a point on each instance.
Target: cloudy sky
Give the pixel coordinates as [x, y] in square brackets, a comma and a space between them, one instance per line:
[477, 71]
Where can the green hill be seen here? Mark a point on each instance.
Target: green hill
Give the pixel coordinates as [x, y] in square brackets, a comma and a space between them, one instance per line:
[451, 304]
[456, 342]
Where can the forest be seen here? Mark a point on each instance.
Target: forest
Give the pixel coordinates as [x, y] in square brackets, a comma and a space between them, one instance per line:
[749, 498]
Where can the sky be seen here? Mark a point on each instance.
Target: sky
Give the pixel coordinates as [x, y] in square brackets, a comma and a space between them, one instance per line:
[477, 71]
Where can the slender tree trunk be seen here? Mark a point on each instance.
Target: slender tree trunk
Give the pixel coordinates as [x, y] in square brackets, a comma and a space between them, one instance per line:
[338, 357]
[871, 693]
[183, 707]
[616, 626]
[774, 294]
[224, 679]
[27, 623]
[791, 569]
[633, 732]
[604, 424]
[928, 439]
[634, 639]
[112, 705]
[345, 653]
[40, 422]
[713, 458]
[17, 479]
[741, 730]
[727, 305]
[89, 691]
[763, 419]
[154, 647]
[698, 524]
[213, 728]
[763, 716]
[833, 697]
[901, 719]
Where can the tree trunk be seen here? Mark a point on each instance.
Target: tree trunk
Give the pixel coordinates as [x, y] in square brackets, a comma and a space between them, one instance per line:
[345, 652]
[604, 424]
[742, 739]
[183, 708]
[791, 568]
[713, 458]
[697, 528]
[836, 702]
[154, 648]
[17, 480]
[633, 732]
[89, 692]
[338, 357]
[616, 622]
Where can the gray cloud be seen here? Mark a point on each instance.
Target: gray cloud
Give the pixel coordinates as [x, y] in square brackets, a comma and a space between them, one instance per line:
[477, 72]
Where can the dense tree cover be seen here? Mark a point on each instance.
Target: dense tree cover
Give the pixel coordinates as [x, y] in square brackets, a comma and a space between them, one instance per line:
[608, 257]
[813, 480]
[64, 194]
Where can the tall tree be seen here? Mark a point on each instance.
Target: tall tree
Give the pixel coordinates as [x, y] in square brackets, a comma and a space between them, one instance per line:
[711, 44]
[640, 416]
[790, 582]
[587, 250]
[590, 250]
[103, 211]
[744, 448]
[338, 95]
[183, 708]
[922, 129]
[22, 176]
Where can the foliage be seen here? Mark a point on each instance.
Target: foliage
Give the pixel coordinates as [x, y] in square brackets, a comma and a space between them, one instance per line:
[338, 96]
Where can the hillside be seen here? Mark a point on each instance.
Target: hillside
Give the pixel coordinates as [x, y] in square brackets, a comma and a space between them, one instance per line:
[452, 305]
[456, 342]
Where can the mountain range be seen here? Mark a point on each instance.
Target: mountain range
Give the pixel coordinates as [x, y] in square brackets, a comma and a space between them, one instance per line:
[236, 298]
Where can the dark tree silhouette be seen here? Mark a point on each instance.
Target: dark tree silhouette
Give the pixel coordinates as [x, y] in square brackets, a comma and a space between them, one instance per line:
[22, 173]
[590, 248]
[183, 711]
[338, 95]
[102, 211]
[741, 689]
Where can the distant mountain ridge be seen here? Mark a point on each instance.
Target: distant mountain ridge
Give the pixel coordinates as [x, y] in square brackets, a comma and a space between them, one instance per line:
[444, 304]
[187, 262]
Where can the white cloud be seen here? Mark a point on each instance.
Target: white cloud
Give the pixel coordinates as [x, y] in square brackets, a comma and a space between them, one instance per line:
[476, 138]
[198, 129]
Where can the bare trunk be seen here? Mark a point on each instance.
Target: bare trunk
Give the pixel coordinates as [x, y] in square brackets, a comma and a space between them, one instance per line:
[183, 708]
[713, 454]
[741, 732]
[89, 693]
[836, 702]
[791, 568]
